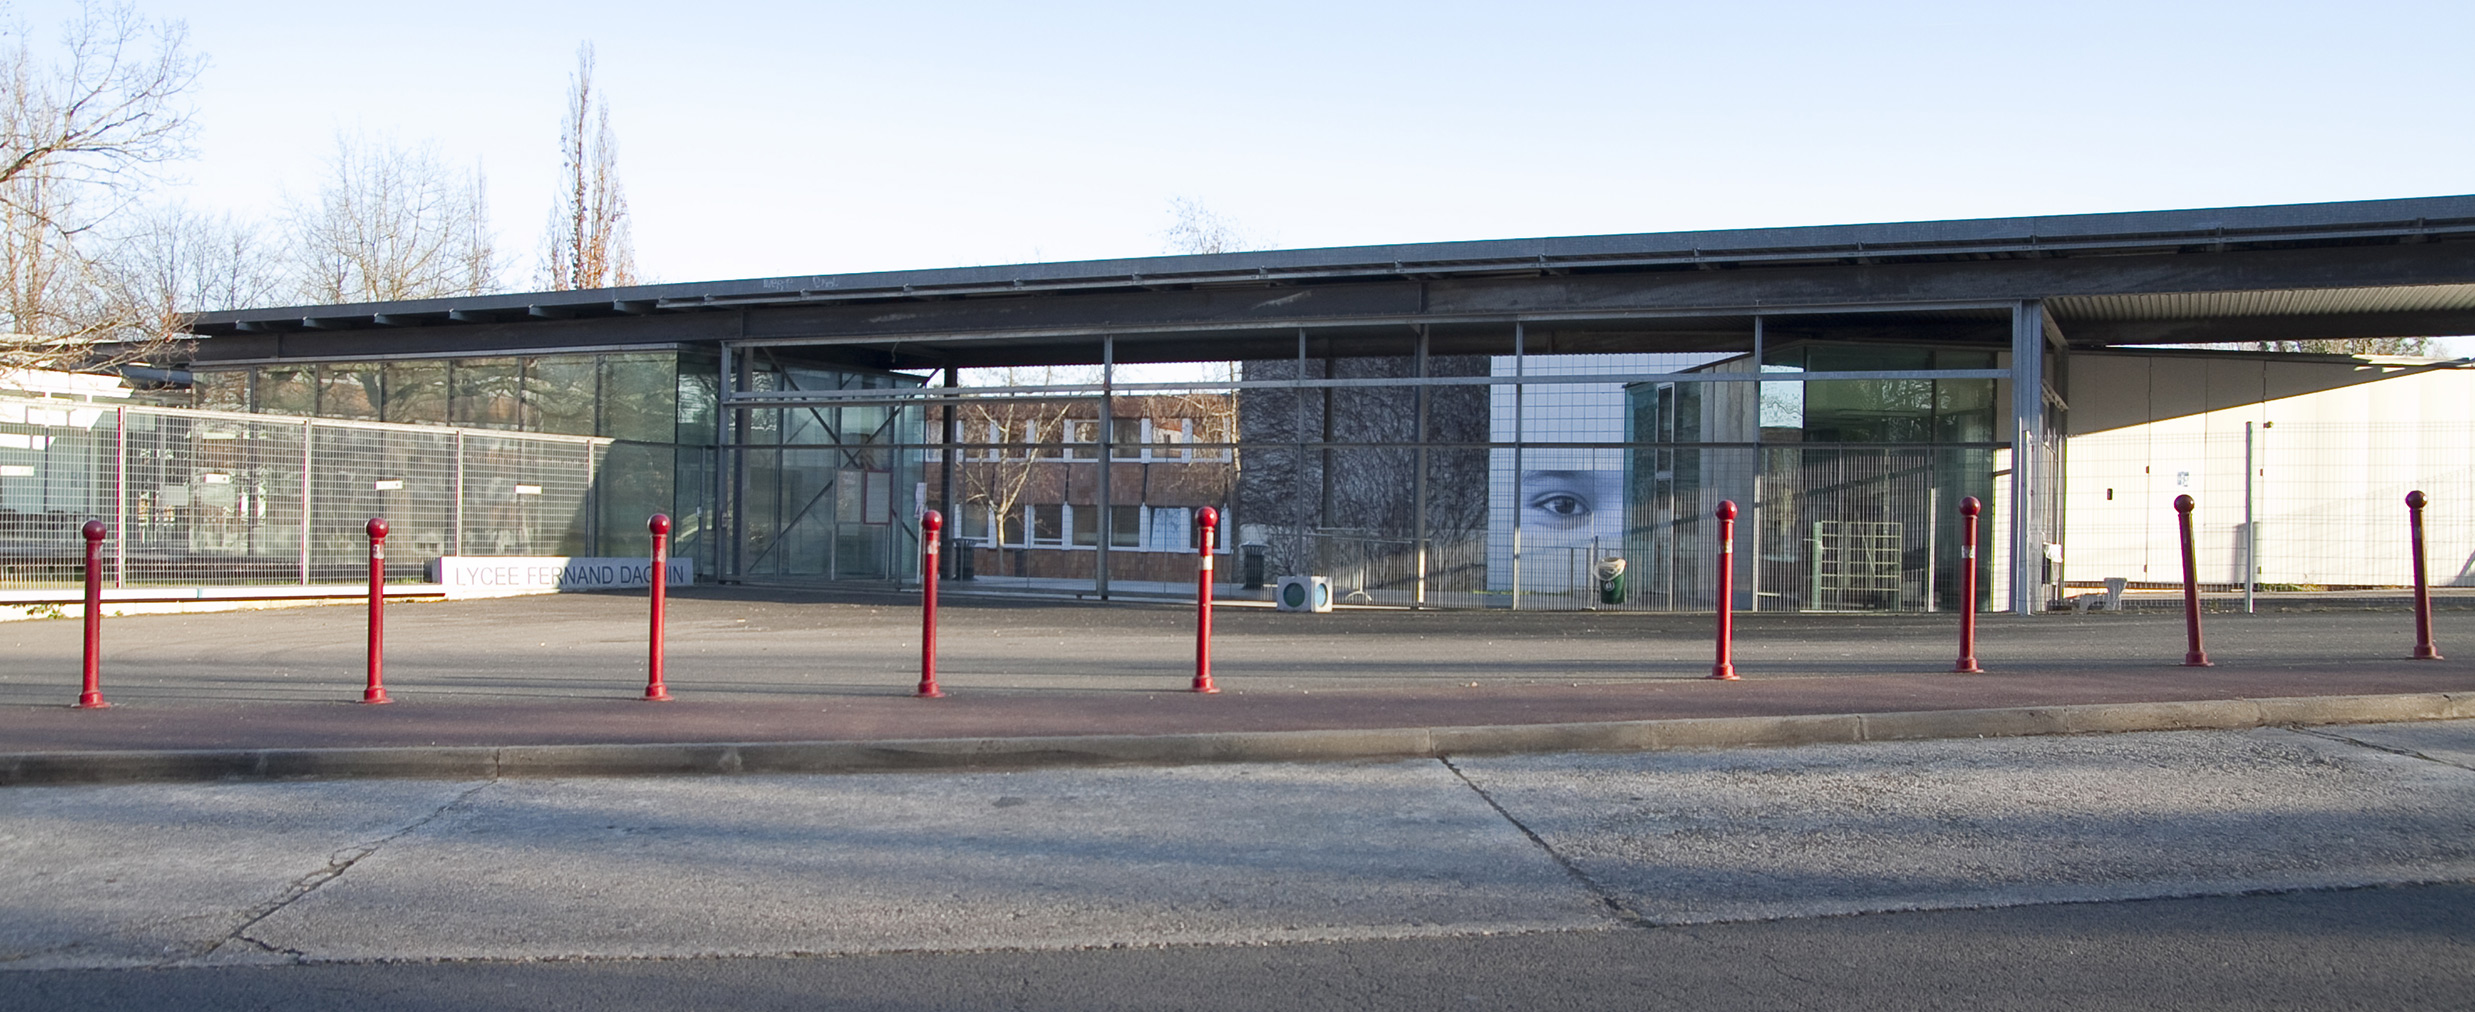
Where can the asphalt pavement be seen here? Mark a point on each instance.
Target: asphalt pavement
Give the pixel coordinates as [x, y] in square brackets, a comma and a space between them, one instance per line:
[1474, 870]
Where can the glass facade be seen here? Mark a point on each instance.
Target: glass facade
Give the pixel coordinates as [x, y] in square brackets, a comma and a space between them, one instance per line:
[1844, 487]
[1522, 477]
[657, 409]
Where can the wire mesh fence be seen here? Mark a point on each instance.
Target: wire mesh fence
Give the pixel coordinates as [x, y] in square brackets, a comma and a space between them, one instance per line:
[2287, 508]
[214, 498]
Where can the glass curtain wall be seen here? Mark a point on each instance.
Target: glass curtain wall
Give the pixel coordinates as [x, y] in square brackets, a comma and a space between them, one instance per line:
[1542, 466]
[656, 408]
[825, 492]
[1086, 487]
[1848, 490]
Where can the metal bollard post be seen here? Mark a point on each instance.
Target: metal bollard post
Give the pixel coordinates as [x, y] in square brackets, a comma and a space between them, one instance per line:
[1725, 669]
[1969, 508]
[931, 523]
[659, 577]
[1207, 523]
[2194, 657]
[92, 697]
[376, 691]
[2424, 648]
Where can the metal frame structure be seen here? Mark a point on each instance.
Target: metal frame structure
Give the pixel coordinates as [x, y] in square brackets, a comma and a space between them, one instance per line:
[2337, 270]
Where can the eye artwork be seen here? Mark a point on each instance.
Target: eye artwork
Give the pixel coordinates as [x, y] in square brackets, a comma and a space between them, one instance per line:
[1570, 501]
[1561, 504]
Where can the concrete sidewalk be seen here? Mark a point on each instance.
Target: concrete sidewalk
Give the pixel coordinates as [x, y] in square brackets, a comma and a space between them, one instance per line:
[809, 682]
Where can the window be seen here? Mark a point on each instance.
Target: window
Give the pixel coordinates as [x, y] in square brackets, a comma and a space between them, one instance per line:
[1086, 524]
[559, 395]
[1084, 431]
[1169, 436]
[640, 399]
[977, 522]
[1125, 526]
[223, 391]
[1041, 436]
[1126, 438]
[416, 393]
[287, 391]
[348, 391]
[485, 393]
[1048, 524]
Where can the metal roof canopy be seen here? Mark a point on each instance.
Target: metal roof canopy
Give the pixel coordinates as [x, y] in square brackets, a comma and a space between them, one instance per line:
[2385, 268]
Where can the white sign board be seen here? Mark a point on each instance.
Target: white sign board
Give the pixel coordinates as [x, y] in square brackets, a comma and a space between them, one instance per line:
[500, 575]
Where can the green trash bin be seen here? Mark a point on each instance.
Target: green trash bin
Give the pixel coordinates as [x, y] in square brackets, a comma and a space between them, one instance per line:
[1611, 581]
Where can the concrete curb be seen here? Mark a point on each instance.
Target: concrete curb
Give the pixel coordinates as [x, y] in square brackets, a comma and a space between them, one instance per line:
[485, 762]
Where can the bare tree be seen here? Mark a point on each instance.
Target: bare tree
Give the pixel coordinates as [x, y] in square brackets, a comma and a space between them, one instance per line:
[79, 138]
[589, 245]
[2351, 346]
[1194, 228]
[175, 262]
[1000, 480]
[393, 223]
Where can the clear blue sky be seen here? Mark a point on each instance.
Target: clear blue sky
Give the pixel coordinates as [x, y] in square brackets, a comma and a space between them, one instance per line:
[767, 139]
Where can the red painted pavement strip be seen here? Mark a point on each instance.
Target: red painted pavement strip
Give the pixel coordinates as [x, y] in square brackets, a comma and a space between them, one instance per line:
[998, 714]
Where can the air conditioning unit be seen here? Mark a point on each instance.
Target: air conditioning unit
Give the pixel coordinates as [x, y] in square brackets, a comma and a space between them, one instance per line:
[1303, 593]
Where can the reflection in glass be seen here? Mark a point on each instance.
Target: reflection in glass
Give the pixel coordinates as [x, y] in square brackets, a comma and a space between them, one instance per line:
[559, 395]
[226, 390]
[635, 483]
[485, 393]
[416, 393]
[349, 390]
[287, 390]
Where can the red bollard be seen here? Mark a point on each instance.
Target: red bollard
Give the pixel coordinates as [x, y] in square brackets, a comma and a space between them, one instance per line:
[1207, 520]
[92, 697]
[931, 523]
[376, 692]
[659, 577]
[1969, 508]
[2193, 657]
[2424, 649]
[1725, 669]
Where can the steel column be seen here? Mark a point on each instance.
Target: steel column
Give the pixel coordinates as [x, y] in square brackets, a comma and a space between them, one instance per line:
[1520, 366]
[1106, 470]
[1418, 493]
[308, 461]
[120, 499]
[2028, 436]
[455, 519]
[945, 495]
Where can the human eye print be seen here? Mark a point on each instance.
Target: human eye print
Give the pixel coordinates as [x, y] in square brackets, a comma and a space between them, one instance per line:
[1561, 504]
[1560, 500]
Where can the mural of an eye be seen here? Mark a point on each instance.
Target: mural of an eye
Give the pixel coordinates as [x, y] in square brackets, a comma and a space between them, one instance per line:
[1561, 504]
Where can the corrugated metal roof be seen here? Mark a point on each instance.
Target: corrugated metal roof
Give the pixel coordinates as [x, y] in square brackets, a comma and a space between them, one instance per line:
[2302, 302]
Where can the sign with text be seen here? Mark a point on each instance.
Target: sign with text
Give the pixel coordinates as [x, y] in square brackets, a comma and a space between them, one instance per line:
[498, 575]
